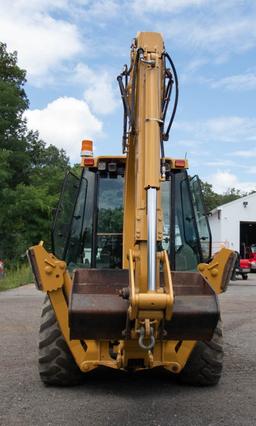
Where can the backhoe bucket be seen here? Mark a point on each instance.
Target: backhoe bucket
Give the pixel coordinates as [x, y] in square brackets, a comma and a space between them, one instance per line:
[96, 311]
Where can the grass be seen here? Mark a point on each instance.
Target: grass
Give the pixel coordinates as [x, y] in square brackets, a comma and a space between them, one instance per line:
[16, 278]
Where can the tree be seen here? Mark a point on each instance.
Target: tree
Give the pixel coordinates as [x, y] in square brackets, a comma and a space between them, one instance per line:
[232, 194]
[30, 172]
[213, 199]
[13, 103]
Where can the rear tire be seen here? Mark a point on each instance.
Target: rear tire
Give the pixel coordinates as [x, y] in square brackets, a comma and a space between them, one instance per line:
[204, 367]
[56, 363]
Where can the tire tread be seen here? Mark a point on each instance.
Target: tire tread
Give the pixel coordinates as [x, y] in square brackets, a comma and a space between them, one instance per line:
[56, 363]
[204, 367]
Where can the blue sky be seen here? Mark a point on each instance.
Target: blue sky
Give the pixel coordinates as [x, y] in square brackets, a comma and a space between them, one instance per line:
[74, 49]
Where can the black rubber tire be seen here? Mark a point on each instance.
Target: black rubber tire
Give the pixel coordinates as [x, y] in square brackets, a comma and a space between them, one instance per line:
[204, 366]
[245, 276]
[56, 363]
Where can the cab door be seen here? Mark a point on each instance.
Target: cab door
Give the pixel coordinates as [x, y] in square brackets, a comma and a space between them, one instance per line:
[201, 218]
[68, 221]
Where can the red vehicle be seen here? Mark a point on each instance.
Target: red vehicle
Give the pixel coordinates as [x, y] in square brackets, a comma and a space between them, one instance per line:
[242, 267]
[252, 257]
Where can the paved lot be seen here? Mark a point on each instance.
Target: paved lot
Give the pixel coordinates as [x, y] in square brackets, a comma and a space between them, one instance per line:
[114, 398]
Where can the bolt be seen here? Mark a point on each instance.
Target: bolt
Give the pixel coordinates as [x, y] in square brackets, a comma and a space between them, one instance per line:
[62, 265]
[48, 270]
[201, 267]
[214, 272]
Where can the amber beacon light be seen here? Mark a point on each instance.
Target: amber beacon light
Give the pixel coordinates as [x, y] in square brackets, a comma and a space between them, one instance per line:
[87, 148]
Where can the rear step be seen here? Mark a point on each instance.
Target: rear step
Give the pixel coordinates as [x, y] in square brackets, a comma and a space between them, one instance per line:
[96, 311]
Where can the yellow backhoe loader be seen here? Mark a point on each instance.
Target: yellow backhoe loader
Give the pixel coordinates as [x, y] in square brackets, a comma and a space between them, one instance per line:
[130, 282]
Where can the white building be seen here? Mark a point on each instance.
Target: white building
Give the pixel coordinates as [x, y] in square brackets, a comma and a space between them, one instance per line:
[234, 224]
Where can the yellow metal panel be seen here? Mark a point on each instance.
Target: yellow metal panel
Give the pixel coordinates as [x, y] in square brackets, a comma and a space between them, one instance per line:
[218, 271]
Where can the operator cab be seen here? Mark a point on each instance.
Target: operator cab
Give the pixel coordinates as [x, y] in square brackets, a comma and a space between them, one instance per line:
[88, 226]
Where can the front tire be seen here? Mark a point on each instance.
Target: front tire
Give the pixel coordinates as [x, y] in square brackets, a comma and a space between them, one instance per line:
[56, 363]
[204, 367]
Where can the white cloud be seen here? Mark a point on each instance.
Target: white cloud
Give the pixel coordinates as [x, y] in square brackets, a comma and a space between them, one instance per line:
[38, 5]
[237, 82]
[189, 72]
[220, 163]
[64, 123]
[221, 28]
[235, 36]
[189, 143]
[195, 64]
[43, 42]
[164, 6]
[99, 91]
[221, 129]
[224, 180]
[103, 8]
[246, 153]
[251, 170]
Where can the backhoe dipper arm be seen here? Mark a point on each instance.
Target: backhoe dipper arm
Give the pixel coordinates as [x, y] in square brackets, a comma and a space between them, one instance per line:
[143, 213]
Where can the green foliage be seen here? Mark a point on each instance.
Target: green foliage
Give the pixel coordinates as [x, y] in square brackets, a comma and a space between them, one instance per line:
[110, 220]
[232, 194]
[213, 200]
[31, 174]
[16, 277]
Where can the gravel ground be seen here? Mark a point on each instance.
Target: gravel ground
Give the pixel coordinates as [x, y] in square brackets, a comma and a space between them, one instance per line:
[115, 398]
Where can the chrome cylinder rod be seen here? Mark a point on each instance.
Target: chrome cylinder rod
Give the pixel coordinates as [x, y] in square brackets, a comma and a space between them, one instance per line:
[151, 222]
